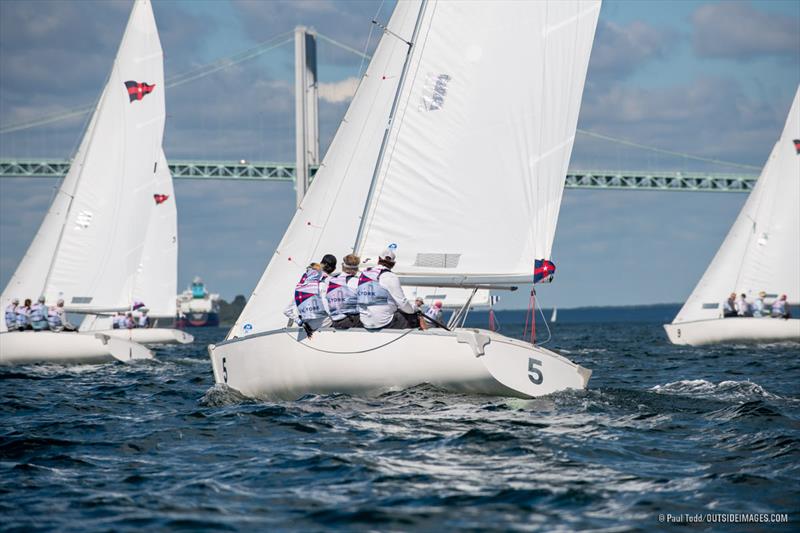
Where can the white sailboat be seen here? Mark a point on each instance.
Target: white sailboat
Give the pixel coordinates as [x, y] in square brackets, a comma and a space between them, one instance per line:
[554, 315]
[90, 245]
[760, 253]
[455, 149]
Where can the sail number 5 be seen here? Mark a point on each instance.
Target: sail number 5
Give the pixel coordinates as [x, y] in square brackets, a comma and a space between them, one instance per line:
[535, 373]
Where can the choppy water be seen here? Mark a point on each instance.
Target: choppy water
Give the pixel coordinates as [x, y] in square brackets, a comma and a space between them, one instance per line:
[662, 430]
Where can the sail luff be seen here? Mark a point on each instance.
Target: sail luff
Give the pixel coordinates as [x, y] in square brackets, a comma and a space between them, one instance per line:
[388, 130]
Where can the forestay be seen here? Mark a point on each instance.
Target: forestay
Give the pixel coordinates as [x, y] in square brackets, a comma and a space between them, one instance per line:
[762, 250]
[454, 125]
[89, 245]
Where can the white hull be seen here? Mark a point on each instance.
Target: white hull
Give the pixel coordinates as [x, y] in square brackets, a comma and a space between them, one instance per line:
[286, 364]
[26, 347]
[736, 329]
[149, 336]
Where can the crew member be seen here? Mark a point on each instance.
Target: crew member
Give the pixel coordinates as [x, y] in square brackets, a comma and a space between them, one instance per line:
[342, 296]
[144, 320]
[57, 318]
[309, 306]
[11, 314]
[742, 307]
[729, 307]
[39, 315]
[24, 315]
[434, 312]
[780, 309]
[758, 305]
[381, 301]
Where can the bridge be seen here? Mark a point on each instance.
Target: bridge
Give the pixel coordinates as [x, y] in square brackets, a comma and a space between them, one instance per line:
[307, 139]
[268, 171]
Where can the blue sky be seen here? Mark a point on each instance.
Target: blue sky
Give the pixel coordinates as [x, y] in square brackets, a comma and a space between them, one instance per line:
[708, 78]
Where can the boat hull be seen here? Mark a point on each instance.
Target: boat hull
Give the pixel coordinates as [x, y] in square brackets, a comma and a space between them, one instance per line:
[735, 329]
[148, 336]
[198, 320]
[287, 364]
[27, 347]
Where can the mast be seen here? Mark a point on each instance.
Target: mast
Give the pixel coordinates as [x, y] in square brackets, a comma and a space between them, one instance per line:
[389, 124]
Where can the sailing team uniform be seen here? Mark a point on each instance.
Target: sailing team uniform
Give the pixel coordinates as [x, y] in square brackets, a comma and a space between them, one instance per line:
[11, 317]
[23, 317]
[742, 307]
[381, 301]
[39, 316]
[310, 305]
[342, 294]
[434, 313]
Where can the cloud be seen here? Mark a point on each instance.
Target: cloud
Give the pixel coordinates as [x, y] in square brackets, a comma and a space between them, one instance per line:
[620, 50]
[738, 31]
[340, 91]
[710, 116]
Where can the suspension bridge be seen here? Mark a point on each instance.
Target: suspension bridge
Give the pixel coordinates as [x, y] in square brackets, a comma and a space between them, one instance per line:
[307, 139]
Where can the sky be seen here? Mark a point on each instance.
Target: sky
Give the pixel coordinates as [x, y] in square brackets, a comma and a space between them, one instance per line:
[713, 79]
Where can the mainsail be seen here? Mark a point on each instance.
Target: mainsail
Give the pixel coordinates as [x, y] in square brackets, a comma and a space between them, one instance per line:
[762, 249]
[468, 180]
[90, 243]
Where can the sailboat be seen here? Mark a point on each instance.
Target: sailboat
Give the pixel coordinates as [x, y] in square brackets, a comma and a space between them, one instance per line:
[454, 150]
[761, 253]
[89, 250]
[554, 316]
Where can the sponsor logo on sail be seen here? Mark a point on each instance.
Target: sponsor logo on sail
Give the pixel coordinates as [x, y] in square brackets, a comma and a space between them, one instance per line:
[137, 91]
[434, 91]
[797, 145]
[160, 198]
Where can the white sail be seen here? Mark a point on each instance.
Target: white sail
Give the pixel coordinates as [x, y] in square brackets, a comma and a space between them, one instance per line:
[90, 243]
[341, 182]
[762, 249]
[450, 167]
[157, 276]
[486, 131]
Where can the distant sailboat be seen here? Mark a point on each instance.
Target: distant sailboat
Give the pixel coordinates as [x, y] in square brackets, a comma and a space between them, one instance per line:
[760, 253]
[554, 316]
[93, 249]
[467, 112]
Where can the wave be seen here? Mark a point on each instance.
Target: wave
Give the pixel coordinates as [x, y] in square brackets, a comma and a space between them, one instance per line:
[742, 391]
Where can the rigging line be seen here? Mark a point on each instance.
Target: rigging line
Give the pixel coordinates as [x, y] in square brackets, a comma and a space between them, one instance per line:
[369, 39]
[174, 81]
[359, 53]
[350, 353]
[667, 152]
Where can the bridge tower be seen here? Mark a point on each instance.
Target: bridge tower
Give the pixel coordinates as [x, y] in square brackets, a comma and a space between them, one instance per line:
[306, 118]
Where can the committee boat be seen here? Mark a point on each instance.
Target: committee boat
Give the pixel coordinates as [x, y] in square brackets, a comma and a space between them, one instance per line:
[197, 307]
[454, 149]
[92, 249]
[761, 253]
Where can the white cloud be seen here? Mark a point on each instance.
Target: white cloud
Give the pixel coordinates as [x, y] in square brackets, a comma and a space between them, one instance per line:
[339, 91]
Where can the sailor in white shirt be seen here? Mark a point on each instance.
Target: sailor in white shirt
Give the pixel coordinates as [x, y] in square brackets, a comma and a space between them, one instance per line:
[11, 315]
[381, 301]
[742, 307]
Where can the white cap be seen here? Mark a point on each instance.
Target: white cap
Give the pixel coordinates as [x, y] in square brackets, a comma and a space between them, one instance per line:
[388, 254]
[15, 301]
[41, 299]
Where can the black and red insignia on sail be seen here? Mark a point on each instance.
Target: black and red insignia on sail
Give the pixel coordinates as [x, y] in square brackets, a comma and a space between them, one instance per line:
[797, 145]
[137, 91]
[160, 198]
[543, 270]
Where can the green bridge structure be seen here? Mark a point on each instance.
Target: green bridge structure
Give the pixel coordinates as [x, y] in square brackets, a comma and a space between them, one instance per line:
[649, 180]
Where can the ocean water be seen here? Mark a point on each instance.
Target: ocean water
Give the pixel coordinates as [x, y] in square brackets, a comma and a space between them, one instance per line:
[663, 434]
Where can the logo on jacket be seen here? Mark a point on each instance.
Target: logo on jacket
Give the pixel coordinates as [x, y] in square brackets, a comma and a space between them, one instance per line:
[137, 91]
[160, 198]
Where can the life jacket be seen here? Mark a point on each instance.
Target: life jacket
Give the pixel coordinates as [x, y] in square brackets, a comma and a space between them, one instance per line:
[38, 312]
[434, 312]
[370, 291]
[23, 316]
[11, 315]
[54, 318]
[342, 300]
[306, 296]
